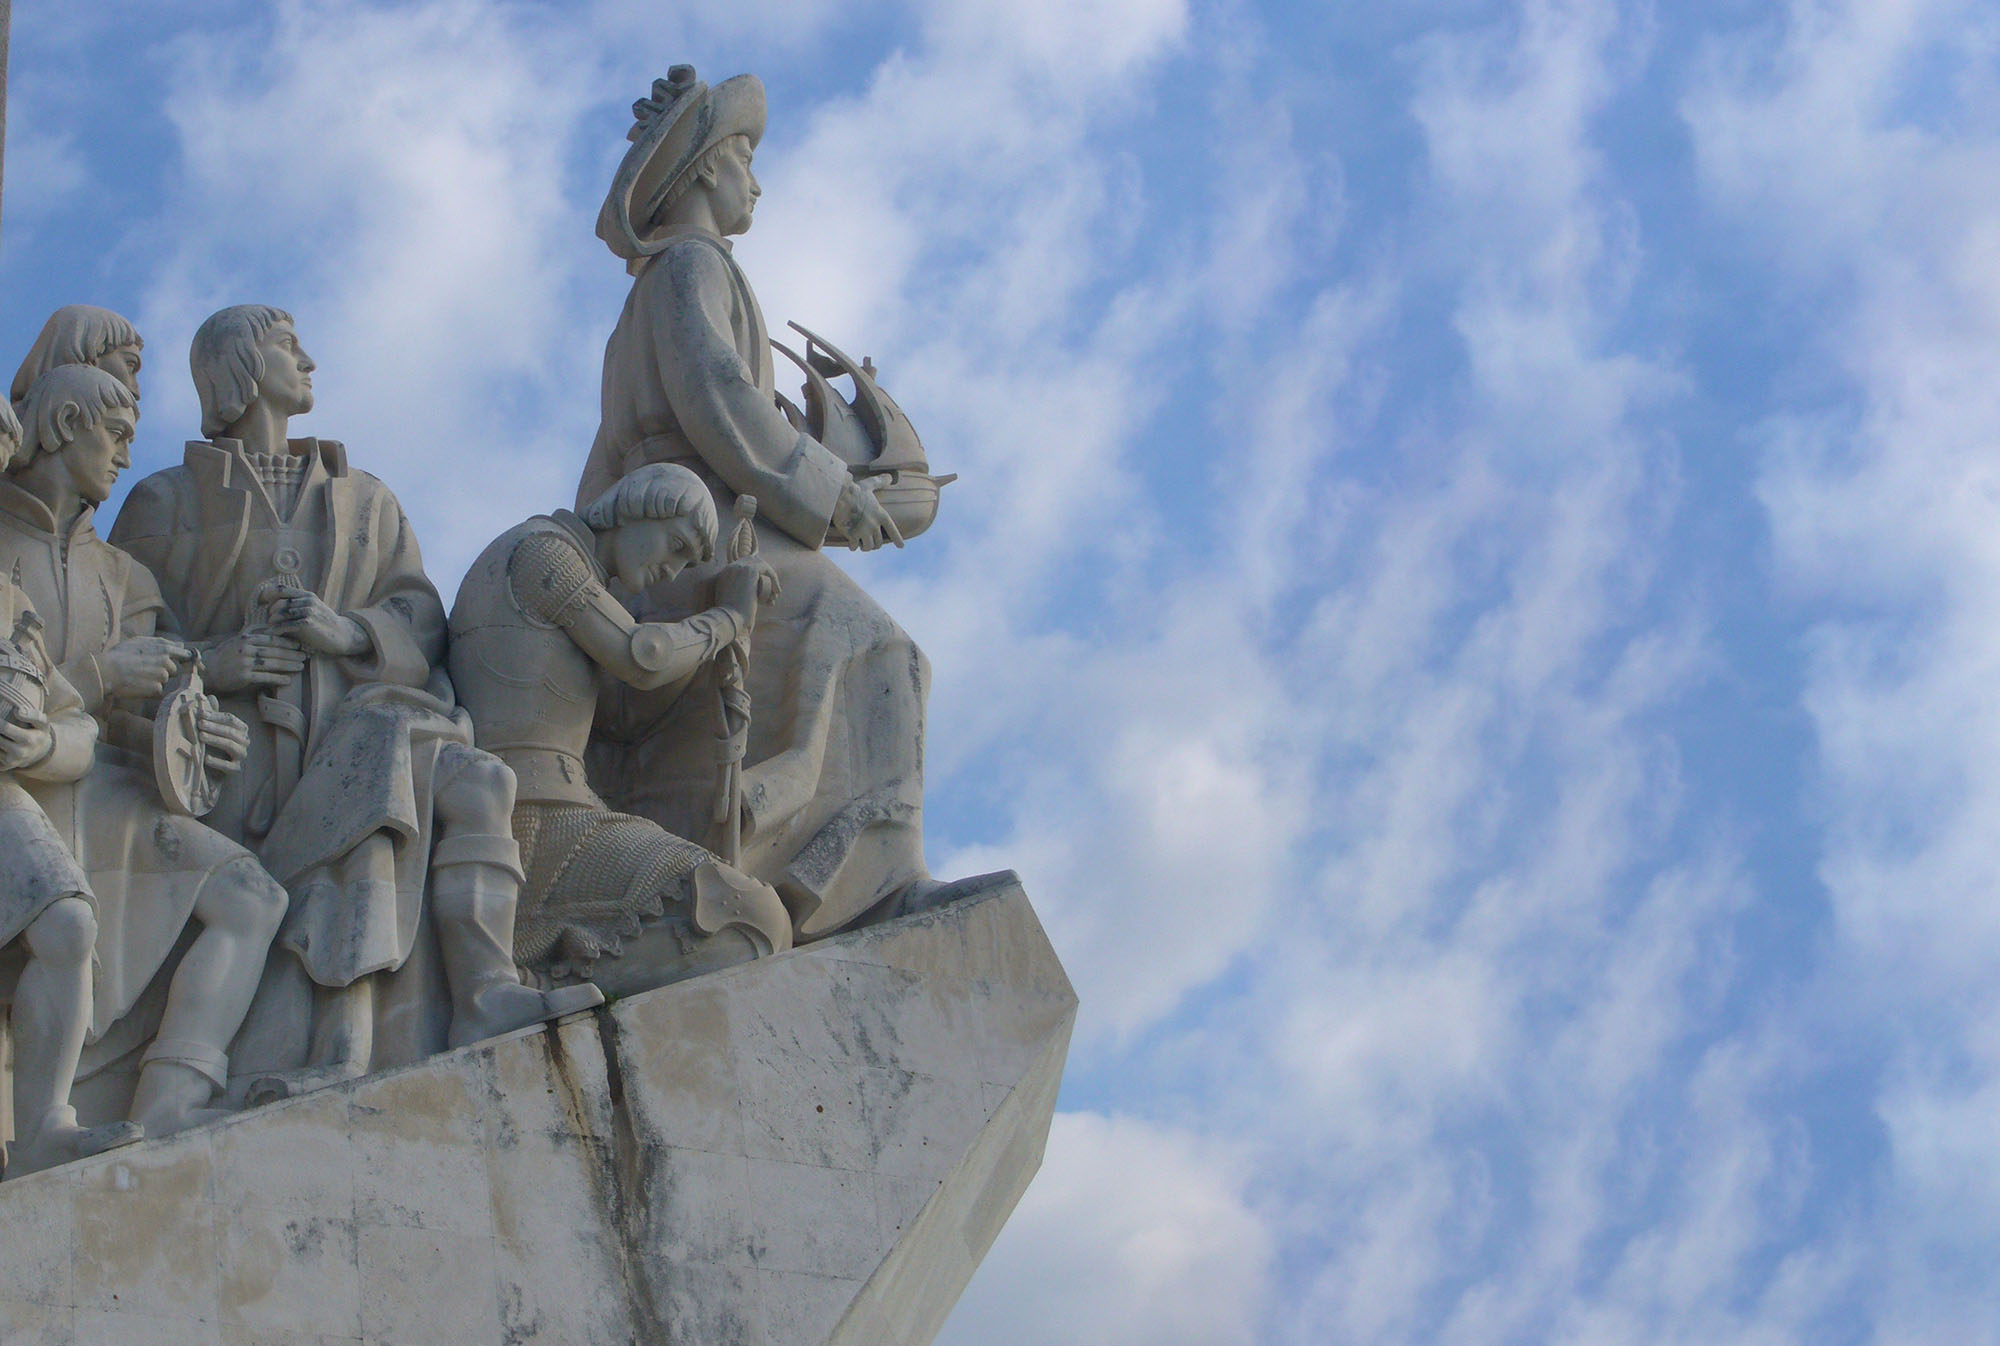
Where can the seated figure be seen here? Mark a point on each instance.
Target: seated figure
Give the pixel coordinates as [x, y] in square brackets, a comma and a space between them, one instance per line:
[533, 628]
[47, 922]
[300, 580]
[153, 870]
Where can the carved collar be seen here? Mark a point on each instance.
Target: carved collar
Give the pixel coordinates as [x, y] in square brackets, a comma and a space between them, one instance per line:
[29, 510]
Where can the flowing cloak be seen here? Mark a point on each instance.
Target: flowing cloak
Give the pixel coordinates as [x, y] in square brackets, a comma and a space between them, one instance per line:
[833, 782]
[36, 867]
[335, 793]
[146, 864]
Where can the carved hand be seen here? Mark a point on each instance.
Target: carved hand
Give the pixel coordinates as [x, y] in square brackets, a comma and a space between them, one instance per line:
[306, 618]
[863, 520]
[226, 737]
[744, 584]
[138, 668]
[254, 659]
[25, 739]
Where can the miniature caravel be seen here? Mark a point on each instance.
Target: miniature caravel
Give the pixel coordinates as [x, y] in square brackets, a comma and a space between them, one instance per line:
[270, 820]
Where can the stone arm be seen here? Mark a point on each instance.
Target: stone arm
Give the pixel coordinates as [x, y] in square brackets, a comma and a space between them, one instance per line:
[552, 582]
[732, 423]
[403, 616]
[123, 723]
[73, 731]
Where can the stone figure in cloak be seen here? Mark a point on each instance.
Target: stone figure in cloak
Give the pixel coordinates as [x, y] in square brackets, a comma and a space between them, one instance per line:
[832, 812]
[47, 920]
[153, 869]
[533, 630]
[299, 579]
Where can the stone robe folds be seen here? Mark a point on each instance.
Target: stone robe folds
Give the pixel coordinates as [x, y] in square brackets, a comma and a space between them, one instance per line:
[211, 534]
[146, 865]
[36, 867]
[833, 785]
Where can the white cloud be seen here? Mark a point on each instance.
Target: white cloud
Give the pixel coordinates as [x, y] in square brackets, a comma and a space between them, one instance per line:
[1854, 149]
[1133, 1234]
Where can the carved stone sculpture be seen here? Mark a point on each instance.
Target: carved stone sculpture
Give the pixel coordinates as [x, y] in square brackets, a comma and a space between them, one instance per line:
[153, 869]
[532, 627]
[832, 812]
[301, 582]
[47, 921]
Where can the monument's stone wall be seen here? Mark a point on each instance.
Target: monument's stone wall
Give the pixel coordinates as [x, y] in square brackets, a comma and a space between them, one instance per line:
[812, 1148]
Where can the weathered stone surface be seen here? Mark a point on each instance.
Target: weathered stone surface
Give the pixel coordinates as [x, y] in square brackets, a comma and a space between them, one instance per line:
[813, 1148]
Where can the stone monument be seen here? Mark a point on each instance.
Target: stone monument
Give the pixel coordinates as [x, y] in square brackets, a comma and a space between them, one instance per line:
[311, 897]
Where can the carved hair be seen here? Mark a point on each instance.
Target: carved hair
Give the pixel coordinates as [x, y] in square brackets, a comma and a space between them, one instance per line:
[704, 163]
[656, 491]
[10, 436]
[227, 364]
[76, 334]
[80, 394]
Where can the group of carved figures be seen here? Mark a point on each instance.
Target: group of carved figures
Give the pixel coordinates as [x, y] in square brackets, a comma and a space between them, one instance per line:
[385, 831]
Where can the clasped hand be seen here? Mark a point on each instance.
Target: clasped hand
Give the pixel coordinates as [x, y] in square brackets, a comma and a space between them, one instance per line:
[863, 520]
[25, 738]
[305, 618]
[744, 584]
[136, 669]
[226, 737]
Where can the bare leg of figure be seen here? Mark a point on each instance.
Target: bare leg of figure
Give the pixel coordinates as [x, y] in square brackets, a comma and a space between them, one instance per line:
[51, 1016]
[239, 908]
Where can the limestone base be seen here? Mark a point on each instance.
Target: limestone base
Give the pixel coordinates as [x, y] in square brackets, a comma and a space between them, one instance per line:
[817, 1148]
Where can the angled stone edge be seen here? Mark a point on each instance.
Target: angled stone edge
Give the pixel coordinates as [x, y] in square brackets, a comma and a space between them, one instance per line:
[816, 1148]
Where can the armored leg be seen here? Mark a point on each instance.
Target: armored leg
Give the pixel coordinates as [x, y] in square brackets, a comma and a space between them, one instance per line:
[475, 885]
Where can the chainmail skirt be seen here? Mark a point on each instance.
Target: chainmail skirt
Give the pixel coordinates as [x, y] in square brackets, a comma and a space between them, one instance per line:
[595, 878]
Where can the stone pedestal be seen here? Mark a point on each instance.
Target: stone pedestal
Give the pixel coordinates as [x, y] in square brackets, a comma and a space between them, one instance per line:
[817, 1148]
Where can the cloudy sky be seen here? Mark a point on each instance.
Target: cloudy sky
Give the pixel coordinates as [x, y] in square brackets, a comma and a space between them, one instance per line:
[1476, 562]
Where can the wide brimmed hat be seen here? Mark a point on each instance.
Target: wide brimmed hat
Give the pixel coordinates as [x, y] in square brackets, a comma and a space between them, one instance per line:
[683, 119]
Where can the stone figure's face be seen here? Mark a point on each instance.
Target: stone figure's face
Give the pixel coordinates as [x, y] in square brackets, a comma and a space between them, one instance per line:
[734, 195]
[287, 382]
[652, 551]
[97, 455]
[122, 363]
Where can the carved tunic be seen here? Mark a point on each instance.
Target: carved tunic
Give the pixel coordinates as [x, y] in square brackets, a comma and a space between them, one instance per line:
[36, 867]
[210, 532]
[336, 793]
[833, 780]
[146, 864]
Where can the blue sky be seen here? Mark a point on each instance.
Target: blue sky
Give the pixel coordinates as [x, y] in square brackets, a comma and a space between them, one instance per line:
[1472, 601]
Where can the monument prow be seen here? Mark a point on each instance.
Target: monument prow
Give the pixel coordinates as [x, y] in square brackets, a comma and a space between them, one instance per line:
[814, 1148]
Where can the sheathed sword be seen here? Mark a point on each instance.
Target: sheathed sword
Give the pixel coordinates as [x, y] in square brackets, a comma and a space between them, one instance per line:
[734, 699]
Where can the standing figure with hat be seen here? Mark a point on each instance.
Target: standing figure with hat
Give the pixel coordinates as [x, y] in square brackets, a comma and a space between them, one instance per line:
[832, 790]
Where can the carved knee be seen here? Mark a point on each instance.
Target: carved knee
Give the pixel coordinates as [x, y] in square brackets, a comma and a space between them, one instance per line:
[475, 791]
[243, 899]
[64, 933]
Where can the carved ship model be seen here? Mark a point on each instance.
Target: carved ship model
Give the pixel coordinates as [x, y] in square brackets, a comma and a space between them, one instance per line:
[870, 433]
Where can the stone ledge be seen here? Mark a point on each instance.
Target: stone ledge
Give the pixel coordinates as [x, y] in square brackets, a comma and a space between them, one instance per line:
[816, 1148]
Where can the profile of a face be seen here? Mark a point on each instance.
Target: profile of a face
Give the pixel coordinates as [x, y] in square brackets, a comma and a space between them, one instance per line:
[651, 551]
[286, 383]
[95, 455]
[122, 363]
[733, 192]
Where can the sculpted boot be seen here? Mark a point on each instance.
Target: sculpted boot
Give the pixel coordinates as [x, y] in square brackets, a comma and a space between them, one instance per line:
[475, 884]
